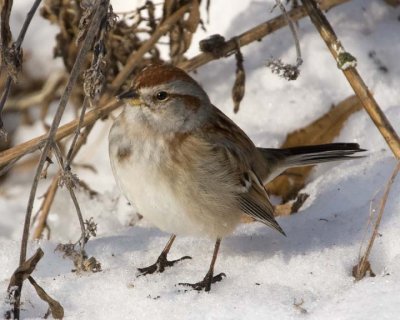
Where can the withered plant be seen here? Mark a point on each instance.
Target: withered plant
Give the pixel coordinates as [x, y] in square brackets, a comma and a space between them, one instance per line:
[101, 54]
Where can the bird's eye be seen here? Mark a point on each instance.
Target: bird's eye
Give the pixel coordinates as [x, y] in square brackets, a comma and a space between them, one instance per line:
[161, 95]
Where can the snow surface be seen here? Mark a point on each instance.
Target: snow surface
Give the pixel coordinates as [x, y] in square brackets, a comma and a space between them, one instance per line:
[267, 274]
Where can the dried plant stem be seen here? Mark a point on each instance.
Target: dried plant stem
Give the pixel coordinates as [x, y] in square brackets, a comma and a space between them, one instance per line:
[293, 30]
[254, 34]
[45, 208]
[101, 10]
[77, 132]
[363, 264]
[18, 44]
[136, 56]
[52, 190]
[68, 179]
[107, 105]
[80, 59]
[370, 105]
[3, 100]
[22, 149]
[27, 22]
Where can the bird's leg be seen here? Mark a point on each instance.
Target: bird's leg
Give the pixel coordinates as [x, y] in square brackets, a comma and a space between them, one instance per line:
[162, 262]
[205, 284]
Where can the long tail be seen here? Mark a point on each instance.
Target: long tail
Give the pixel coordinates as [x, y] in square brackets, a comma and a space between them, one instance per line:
[282, 159]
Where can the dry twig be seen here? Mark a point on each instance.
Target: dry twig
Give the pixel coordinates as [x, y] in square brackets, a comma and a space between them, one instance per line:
[363, 266]
[347, 63]
[13, 154]
[254, 34]
[138, 55]
[44, 211]
[11, 54]
[100, 11]
[287, 71]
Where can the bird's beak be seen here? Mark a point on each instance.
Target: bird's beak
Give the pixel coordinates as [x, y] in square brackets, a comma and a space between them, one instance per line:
[132, 96]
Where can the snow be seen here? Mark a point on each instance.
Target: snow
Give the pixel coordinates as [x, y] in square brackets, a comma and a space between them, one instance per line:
[267, 274]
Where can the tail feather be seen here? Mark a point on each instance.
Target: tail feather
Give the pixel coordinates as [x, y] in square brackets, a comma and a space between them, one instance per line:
[281, 159]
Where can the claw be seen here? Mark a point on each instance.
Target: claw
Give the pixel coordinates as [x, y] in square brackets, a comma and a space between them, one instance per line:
[205, 284]
[160, 265]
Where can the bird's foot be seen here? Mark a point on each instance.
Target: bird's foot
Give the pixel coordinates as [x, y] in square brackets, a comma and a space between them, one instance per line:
[160, 265]
[205, 284]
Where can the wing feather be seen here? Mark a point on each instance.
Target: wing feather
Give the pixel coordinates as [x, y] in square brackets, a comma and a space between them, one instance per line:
[242, 156]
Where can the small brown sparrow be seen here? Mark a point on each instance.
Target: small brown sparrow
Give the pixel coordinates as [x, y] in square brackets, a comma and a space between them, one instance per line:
[189, 169]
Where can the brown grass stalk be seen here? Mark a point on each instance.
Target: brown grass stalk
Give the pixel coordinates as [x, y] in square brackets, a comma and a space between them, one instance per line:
[52, 190]
[363, 266]
[37, 143]
[347, 64]
[41, 223]
[99, 13]
[50, 137]
[254, 34]
[17, 45]
[136, 56]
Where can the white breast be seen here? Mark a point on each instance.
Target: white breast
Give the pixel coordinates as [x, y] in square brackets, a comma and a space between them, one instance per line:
[177, 198]
[142, 183]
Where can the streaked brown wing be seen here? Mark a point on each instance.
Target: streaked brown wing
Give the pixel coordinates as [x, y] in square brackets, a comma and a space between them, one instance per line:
[255, 202]
[242, 157]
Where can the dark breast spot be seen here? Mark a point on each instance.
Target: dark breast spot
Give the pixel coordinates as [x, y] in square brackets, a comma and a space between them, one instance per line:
[123, 153]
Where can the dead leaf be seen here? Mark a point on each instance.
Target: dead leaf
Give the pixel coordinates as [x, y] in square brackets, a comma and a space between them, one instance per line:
[25, 269]
[15, 285]
[291, 207]
[238, 89]
[57, 311]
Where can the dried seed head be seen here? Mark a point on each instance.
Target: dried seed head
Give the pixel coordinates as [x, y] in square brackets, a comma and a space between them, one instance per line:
[287, 71]
[212, 44]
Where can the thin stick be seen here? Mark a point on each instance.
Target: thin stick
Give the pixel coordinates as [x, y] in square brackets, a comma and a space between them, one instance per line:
[45, 209]
[26, 24]
[37, 143]
[109, 104]
[254, 34]
[3, 100]
[69, 181]
[101, 10]
[18, 44]
[52, 190]
[363, 263]
[293, 29]
[136, 56]
[77, 132]
[347, 64]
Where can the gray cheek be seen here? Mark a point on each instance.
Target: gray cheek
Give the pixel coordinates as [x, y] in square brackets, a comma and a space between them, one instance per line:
[115, 139]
